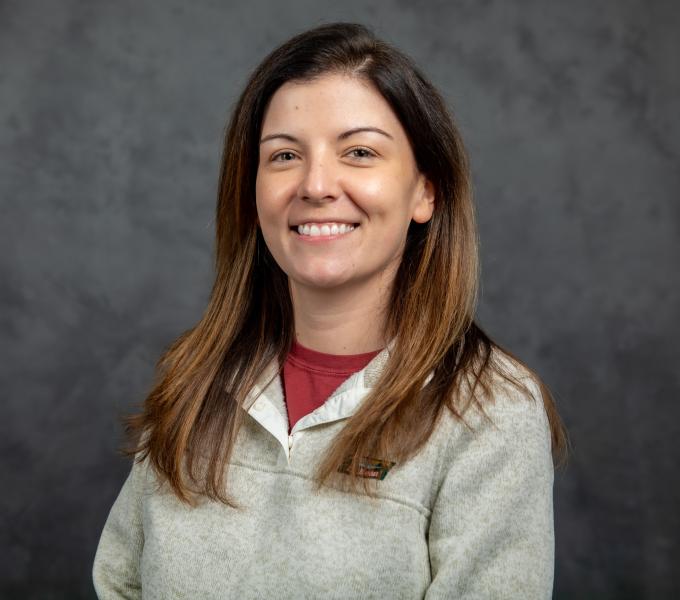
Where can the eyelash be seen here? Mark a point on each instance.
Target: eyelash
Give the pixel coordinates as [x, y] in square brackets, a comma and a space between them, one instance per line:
[370, 152]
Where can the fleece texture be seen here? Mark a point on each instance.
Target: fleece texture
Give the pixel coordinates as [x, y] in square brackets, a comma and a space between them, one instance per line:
[469, 517]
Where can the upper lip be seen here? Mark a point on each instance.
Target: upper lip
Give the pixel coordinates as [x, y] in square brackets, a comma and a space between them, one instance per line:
[328, 220]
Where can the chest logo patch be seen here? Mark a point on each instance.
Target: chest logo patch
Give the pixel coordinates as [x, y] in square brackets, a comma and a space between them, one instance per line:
[373, 468]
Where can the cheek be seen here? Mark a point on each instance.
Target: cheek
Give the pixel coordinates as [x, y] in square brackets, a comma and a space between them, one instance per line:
[373, 187]
[266, 203]
[385, 201]
[272, 193]
[270, 215]
[371, 196]
[261, 194]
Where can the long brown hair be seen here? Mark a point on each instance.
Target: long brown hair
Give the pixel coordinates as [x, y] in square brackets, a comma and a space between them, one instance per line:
[193, 412]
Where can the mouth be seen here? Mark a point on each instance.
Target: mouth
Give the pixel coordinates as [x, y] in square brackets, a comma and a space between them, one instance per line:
[323, 231]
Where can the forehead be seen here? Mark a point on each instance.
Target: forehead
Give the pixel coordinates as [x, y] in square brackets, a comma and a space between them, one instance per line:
[330, 102]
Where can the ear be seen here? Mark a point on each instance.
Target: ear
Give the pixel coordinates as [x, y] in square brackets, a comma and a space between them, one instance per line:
[424, 207]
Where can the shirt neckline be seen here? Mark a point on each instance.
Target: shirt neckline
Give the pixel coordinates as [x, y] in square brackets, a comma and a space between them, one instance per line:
[329, 363]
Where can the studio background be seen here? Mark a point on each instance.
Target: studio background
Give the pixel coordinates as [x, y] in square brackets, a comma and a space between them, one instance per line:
[111, 125]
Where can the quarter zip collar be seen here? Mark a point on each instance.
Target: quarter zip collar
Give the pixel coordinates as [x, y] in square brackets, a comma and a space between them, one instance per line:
[269, 407]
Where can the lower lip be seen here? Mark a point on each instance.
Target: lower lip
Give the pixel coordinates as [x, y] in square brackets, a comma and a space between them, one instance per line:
[315, 239]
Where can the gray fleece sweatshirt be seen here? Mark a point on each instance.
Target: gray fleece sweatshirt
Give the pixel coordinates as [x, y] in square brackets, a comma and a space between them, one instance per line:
[471, 516]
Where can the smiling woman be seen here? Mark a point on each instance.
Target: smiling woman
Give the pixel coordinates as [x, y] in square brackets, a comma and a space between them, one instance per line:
[323, 185]
[378, 444]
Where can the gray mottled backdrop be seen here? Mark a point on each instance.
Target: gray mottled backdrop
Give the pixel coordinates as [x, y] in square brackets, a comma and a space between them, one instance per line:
[111, 118]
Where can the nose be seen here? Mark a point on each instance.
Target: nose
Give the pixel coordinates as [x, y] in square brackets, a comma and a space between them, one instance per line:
[320, 181]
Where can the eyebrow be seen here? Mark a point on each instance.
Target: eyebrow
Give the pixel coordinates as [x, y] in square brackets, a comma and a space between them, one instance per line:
[342, 136]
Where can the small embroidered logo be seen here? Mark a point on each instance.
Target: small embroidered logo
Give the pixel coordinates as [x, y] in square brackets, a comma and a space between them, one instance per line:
[374, 468]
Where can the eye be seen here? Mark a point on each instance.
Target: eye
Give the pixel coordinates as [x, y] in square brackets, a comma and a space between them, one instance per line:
[366, 152]
[283, 153]
[358, 152]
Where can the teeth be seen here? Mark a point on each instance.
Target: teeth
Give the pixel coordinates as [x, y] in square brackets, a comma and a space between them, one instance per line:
[324, 229]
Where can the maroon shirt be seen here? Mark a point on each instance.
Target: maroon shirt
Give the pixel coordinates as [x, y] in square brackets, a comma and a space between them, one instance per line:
[309, 378]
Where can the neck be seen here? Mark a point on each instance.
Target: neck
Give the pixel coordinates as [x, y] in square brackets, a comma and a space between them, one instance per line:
[340, 320]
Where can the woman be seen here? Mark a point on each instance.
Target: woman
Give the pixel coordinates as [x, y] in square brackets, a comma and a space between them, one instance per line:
[337, 425]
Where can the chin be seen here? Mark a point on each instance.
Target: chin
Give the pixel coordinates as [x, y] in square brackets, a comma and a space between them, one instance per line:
[321, 280]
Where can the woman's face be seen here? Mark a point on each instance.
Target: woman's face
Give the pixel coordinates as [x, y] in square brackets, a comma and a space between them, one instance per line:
[334, 202]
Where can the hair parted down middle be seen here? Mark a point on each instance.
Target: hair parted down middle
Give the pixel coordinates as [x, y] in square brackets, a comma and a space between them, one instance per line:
[189, 421]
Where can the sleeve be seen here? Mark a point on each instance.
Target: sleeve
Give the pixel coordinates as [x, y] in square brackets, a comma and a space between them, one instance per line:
[491, 529]
[116, 568]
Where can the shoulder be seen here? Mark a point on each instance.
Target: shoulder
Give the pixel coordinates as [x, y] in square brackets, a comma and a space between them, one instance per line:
[512, 389]
[509, 416]
[491, 531]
